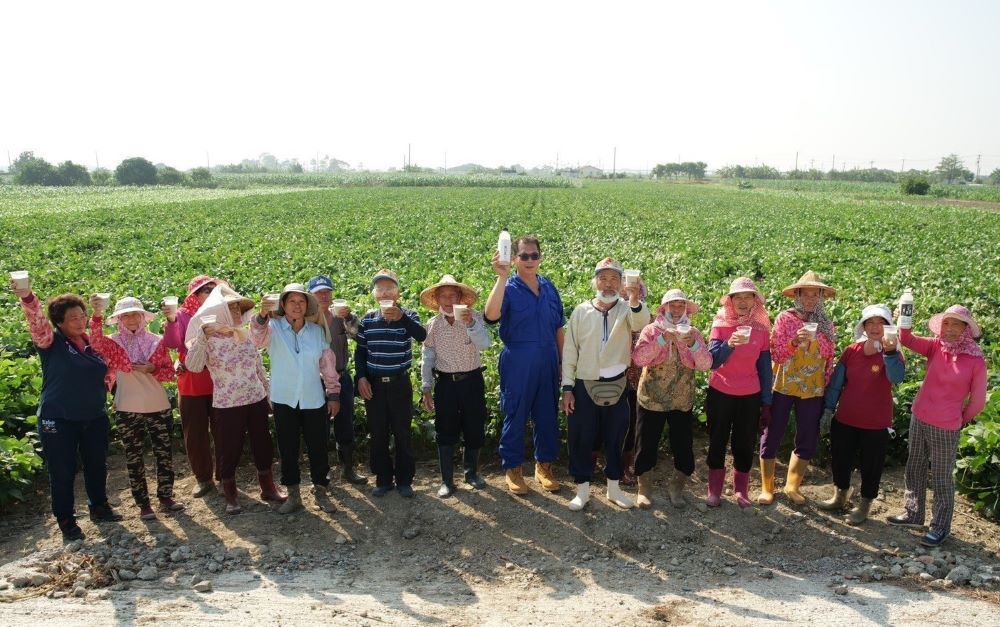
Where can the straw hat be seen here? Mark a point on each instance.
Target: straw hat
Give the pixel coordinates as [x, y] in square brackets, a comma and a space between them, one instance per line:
[740, 286]
[809, 279]
[130, 305]
[869, 312]
[678, 294]
[957, 312]
[312, 305]
[199, 282]
[428, 297]
[230, 295]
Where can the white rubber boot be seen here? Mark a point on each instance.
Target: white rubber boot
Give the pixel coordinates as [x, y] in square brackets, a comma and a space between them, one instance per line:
[581, 498]
[616, 496]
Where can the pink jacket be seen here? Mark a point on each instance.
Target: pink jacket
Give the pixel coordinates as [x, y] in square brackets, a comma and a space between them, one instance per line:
[949, 381]
[649, 352]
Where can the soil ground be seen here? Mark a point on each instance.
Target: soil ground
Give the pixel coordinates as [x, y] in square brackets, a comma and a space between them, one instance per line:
[486, 557]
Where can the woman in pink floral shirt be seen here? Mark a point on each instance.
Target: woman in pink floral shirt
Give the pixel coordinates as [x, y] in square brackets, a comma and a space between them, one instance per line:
[239, 397]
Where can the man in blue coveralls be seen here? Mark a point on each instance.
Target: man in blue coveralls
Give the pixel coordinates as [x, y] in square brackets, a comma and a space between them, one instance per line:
[531, 318]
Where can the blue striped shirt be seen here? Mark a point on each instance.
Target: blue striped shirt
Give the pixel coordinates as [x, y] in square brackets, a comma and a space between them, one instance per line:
[386, 348]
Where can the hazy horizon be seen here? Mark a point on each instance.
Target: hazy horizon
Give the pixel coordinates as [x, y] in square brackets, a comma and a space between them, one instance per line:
[722, 82]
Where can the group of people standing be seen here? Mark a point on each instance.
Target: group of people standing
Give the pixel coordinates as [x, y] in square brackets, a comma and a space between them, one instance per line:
[760, 374]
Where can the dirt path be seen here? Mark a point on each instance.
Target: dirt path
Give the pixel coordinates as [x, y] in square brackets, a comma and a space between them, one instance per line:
[488, 558]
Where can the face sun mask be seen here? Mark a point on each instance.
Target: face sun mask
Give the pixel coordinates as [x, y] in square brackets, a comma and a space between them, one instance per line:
[607, 299]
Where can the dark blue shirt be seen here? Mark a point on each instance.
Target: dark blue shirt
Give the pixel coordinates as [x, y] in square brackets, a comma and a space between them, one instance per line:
[385, 348]
[72, 381]
[529, 319]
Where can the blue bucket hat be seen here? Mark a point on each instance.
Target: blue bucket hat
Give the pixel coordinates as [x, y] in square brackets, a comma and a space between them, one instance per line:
[320, 282]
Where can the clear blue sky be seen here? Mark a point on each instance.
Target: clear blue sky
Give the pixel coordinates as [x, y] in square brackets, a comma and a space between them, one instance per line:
[505, 82]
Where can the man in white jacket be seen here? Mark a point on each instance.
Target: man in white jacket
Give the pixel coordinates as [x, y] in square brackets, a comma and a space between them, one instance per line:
[595, 355]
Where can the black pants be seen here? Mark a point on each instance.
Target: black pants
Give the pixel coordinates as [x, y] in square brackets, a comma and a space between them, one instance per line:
[389, 414]
[846, 442]
[460, 409]
[590, 423]
[632, 433]
[649, 427]
[731, 419]
[343, 422]
[312, 425]
[62, 442]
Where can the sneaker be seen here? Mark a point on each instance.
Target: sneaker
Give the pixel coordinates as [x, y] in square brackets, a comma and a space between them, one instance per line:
[167, 504]
[405, 491]
[381, 490]
[934, 538]
[70, 530]
[146, 512]
[104, 513]
[903, 520]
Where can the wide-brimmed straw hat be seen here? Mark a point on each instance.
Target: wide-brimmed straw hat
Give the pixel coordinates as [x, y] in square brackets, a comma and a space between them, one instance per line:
[312, 305]
[678, 294]
[428, 297]
[130, 304]
[230, 295]
[810, 279]
[957, 312]
[740, 286]
[869, 312]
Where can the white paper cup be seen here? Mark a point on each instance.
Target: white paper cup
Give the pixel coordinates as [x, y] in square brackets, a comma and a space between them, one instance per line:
[683, 329]
[890, 332]
[338, 305]
[21, 280]
[385, 304]
[744, 331]
[208, 319]
[459, 310]
[170, 302]
[105, 298]
[632, 277]
[811, 328]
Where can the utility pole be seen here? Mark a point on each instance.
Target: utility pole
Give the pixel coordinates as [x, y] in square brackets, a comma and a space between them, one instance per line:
[208, 161]
[614, 164]
[445, 161]
[978, 157]
[409, 154]
[9, 164]
[902, 168]
[833, 163]
[557, 162]
[796, 160]
[871, 164]
[97, 161]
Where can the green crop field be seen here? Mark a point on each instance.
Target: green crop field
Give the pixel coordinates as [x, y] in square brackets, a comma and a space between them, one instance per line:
[869, 242]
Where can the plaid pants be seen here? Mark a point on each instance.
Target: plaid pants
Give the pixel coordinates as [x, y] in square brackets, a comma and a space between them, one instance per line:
[133, 429]
[937, 447]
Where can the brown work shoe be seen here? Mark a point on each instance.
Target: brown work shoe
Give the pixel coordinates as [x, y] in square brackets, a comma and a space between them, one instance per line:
[515, 481]
[544, 476]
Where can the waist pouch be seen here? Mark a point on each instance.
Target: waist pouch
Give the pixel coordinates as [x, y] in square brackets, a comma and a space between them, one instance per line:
[606, 392]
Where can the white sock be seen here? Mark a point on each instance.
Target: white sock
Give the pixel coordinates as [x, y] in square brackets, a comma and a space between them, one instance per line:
[616, 496]
[581, 498]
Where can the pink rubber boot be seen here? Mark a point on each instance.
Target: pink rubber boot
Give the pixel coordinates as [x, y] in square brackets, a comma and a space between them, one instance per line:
[716, 477]
[741, 484]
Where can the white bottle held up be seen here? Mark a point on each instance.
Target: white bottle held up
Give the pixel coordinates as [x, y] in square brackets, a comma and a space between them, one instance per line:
[503, 247]
[906, 309]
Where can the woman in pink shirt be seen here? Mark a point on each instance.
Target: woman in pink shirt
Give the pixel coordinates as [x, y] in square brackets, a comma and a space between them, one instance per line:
[141, 364]
[738, 402]
[952, 394]
[217, 339]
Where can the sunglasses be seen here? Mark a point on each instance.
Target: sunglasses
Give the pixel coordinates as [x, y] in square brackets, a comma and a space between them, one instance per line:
[529, 256]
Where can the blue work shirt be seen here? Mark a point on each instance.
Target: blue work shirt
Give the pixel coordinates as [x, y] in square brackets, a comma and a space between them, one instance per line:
[295, 377]
[526, 319]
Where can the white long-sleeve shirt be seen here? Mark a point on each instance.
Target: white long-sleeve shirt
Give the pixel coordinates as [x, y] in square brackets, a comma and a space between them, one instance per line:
[598, 344]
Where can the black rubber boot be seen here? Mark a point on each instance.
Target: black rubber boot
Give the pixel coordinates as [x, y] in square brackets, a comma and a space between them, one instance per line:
[446, 457]
[350, 475]
[472, 469]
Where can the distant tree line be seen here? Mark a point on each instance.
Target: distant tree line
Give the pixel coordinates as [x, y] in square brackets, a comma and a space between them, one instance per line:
[691, 169]
[28, 169]
[950, 170]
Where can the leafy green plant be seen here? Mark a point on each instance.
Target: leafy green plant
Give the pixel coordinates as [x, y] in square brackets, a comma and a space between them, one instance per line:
[977, 469]
[914, 184]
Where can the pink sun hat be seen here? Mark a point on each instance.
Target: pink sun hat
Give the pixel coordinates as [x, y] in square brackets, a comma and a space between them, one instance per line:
[742, 285]
[958, 312]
